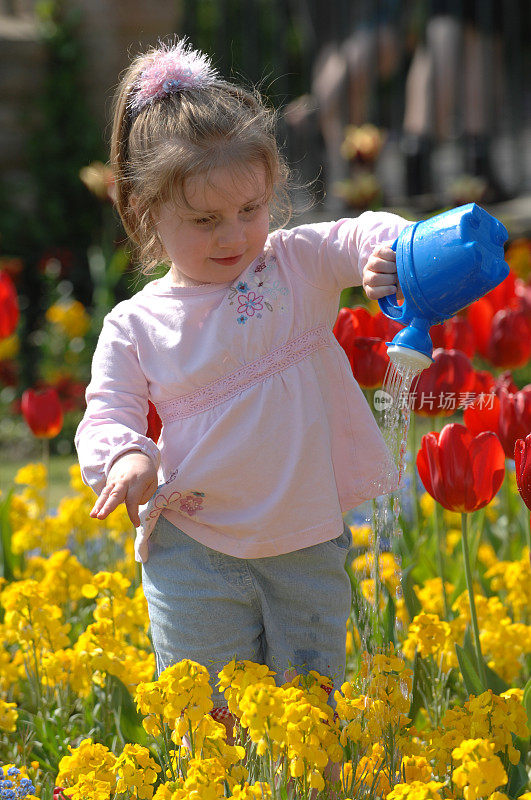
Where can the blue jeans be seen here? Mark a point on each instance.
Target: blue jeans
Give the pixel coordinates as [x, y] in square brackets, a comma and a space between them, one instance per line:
[285, 611]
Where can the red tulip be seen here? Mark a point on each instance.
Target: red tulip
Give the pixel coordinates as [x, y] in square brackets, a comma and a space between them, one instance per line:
[461, 471]
[515, 418]
[483, 414]
[43, 413]
[154, 423]
[456, 333]
[8, 306]
[523, 293]
[480, 315]
[362, 336]
[441, 388]
[345, 328]
[484, 382]
[522, 459]
[505, 381]
[509, 343]
[504, 294]
[369, 361]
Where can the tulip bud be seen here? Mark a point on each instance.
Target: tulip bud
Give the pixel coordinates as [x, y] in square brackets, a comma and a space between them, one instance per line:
[8, 306]
[42, 412]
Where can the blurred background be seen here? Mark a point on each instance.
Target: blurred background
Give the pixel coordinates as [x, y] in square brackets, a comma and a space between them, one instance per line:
[408, 105]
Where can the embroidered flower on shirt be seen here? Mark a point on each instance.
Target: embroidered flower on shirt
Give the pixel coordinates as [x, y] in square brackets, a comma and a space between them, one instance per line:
[192, 503]
[269, 286]
[250, 303]
[162, 501]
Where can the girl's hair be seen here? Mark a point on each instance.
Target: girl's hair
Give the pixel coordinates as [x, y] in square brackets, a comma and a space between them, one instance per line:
[182, 134]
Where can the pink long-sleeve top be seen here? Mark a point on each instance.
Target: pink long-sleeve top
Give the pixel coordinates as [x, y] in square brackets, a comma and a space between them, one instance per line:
[267, 437]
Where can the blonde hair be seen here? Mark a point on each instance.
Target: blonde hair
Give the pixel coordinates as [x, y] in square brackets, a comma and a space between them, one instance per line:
[181, 135]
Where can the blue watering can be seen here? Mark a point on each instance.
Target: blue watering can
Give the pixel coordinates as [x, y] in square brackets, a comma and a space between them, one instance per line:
[443, 264]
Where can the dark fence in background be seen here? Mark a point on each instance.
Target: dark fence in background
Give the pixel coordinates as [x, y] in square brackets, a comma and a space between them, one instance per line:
[388, 45]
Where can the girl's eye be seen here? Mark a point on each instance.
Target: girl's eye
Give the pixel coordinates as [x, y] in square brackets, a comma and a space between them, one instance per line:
[251, 209]
[204, 221]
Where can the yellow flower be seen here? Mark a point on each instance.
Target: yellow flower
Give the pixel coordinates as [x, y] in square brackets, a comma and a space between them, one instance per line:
[480, 771]
[9, 347]
[427, 505]
[416, 768]
[85, 760]
[431, 597]
[428, 634]
[260, 790]
[518, 256]
[136, 770]
[416, 790]
[453, 538]
[513, 579]
[34, 475]
[70, 316]
[236, 676]
[89, 786]
[8, 716]
[361, 535]
[487, 555]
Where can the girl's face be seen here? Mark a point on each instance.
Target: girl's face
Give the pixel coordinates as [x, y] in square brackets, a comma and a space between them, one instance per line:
[222, 231]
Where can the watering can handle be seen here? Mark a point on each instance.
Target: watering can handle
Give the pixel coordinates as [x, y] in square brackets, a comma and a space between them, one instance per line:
[391, 309]
[388, 303]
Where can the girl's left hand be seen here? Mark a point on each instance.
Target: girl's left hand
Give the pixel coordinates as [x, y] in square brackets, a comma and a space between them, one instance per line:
[379, 274]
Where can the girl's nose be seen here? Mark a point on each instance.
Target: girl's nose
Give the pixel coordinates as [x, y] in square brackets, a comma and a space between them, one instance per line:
[231, 233]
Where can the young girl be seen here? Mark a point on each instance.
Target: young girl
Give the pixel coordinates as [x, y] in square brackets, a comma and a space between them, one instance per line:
[266, 436]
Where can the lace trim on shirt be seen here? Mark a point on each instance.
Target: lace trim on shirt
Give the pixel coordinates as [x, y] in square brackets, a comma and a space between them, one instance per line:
[250, 374]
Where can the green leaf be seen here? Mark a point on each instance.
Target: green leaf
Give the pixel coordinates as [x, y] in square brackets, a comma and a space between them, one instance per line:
[410, 598]
[117, 265]
[471, 678]
[517, 779]
[128, 719]
[418, 679]
[8, 560]
[527, 702]
[494, 681]
[389, 619]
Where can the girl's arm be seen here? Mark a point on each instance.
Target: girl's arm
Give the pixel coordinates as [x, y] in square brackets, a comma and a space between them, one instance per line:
[334, 255]
[115, 422]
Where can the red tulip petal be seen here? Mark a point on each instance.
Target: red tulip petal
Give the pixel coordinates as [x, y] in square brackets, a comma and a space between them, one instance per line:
[487, 470]
[454, 442]
[483, 414]
[430, 471]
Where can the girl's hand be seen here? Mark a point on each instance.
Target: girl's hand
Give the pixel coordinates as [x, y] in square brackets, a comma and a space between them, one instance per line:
[132, 480]
[379, 274]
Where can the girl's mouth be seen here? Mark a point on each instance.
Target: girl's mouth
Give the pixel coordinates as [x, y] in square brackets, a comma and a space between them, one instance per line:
[227, 262]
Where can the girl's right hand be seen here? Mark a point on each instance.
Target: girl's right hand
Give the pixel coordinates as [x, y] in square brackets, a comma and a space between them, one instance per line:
[132, 480]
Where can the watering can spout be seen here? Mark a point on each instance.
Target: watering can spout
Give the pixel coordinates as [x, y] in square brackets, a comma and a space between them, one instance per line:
[443, 264]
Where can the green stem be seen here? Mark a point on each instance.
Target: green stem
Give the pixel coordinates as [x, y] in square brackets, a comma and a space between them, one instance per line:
[473, 615]
[46, 462]
[376, 554]
[440, 560]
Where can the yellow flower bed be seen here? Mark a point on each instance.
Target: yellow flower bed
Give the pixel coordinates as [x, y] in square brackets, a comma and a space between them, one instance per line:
[81, 707]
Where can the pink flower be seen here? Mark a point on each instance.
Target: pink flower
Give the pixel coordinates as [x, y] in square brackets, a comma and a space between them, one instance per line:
[191, 504]
[249, 303]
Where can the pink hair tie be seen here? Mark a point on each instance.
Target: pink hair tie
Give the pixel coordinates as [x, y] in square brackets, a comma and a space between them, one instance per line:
[171, 70]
